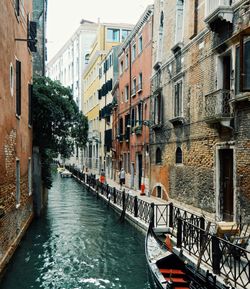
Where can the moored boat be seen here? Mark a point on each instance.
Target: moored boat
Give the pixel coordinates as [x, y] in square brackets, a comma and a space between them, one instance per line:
[168, 270]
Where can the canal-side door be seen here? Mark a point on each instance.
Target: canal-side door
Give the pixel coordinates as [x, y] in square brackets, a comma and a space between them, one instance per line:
[139, 170]
[226, 184]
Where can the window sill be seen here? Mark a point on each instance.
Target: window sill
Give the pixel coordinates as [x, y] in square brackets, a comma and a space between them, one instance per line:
[18, 206]
[18, 116]
[243, 96]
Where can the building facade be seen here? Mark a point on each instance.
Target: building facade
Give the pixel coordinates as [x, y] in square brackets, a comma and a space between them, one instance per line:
[131, 129]
[108, 36]
[108, 74]
[199, 142]
[39, 15]
[16, 203]
[69, 63]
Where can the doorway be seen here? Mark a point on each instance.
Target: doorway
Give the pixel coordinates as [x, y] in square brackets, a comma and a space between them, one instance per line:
[139, 170]
[226, 184]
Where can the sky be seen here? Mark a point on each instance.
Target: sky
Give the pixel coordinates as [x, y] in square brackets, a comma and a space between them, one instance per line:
[64, 17]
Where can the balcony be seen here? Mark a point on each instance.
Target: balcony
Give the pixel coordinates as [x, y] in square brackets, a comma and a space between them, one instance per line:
[218, 11]
[217, 107]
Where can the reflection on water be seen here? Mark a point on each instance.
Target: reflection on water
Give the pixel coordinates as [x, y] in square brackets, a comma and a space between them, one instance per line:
[78, 243]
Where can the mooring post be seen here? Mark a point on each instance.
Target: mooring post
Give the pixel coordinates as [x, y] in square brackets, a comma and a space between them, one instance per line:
[136, 206]
[216, 255]
[171, 215]
[179, 233]
[114, 192]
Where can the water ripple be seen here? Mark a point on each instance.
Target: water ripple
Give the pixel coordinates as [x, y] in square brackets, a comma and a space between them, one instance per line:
[78, 243]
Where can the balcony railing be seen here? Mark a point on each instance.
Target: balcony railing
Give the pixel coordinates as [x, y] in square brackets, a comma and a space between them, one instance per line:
[217, 106]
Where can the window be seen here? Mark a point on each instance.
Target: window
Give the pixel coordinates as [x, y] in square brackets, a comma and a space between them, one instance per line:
[140, 45]
[179, 21]
[113, 35]
[158, 156]
[121, 67]
[133, 118]
[30, 176]
[243, 65]
[126, 61]
[158, 109]
[17, 7]
[100, 72]
[111, 60]
[126, 93]
[133, 92]
[140, 113]
[178, 156]
[18, 88]
[17, 183]
[178, 61]
[121, 126]
[11, 79]
[140, 82]
[125, 34]
[86, 59]
[30, 92]
[133, 52]
[178, 99]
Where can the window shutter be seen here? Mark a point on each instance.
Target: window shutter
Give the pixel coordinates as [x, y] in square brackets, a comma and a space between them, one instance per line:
[18, 87]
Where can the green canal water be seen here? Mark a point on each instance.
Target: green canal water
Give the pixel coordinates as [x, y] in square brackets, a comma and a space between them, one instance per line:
[78, 243]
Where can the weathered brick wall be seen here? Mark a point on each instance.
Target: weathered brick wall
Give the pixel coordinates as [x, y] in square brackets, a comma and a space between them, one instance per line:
[196, 181]
[16, 135]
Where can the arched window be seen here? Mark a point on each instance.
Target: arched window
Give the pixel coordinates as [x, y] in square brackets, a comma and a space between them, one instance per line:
[158, 156]
[86, 59]
[178, 155]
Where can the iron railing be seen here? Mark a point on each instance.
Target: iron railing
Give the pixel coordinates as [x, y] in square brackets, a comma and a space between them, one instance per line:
[217, 105]
[228, 257]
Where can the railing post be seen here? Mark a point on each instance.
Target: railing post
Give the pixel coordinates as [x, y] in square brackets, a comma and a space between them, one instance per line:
[216, 255]
[179, 233]
[114, 192]
[123, 200]
[152, 216]
[171, 215]
[107, 190]
[202, 227]
[136, 206]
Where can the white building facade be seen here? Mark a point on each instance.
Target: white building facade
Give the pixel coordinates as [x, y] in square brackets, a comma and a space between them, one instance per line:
[69, 63]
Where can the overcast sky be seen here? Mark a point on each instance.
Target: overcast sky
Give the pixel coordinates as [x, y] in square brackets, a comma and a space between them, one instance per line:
[64, 16]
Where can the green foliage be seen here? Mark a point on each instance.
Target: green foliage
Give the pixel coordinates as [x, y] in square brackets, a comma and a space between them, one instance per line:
[57, 123]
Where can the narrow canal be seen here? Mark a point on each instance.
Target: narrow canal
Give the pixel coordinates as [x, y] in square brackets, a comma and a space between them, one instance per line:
[78, 243]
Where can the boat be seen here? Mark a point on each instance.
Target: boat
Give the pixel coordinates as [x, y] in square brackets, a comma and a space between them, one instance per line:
[66, 174]
[167, 269]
